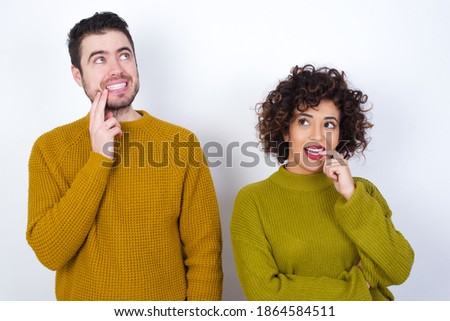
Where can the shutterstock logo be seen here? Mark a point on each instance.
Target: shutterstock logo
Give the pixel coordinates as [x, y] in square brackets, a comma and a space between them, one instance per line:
[188, 152]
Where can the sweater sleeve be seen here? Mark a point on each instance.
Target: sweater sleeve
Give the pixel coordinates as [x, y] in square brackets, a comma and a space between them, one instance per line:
[386, 255]
[200, 231]
[60, 217]
[260, 277]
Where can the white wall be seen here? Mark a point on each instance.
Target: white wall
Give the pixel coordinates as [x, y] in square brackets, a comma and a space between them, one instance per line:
[204, 65]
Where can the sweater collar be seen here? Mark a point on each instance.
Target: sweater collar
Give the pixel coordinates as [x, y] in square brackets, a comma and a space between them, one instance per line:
[130, 125]
[299, 182]
[141, 122]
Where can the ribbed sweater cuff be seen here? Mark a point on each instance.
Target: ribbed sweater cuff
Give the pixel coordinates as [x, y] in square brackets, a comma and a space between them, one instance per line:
[352, 213]
[97, 166]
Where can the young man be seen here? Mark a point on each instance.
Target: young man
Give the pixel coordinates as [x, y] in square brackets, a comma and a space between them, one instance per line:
[121, 204]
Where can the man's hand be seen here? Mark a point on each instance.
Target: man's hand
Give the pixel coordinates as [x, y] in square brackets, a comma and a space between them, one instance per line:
[337, 169]
[102, 128]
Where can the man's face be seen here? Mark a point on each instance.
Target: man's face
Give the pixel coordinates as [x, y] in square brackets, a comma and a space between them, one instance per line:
[108, 61]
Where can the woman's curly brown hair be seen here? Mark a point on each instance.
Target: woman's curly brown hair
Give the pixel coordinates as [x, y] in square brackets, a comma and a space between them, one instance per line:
[305, 87]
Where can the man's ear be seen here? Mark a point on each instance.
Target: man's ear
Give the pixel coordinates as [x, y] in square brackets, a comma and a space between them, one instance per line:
[76, 73]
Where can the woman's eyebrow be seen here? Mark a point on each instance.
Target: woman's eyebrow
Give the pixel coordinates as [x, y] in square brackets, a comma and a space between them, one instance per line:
[331, 117]
[307, 115]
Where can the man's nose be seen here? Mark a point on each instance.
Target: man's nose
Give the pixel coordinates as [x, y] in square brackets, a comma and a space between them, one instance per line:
[115, 69]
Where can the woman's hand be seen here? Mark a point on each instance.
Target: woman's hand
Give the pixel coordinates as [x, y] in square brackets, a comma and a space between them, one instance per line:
[360, 267]
[336, 168]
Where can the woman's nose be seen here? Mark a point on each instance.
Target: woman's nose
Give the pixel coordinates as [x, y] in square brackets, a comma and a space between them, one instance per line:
[316, 134]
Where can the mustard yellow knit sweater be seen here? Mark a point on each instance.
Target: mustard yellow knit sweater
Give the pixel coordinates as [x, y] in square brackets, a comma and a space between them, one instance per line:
[143, 228]
[295, 238]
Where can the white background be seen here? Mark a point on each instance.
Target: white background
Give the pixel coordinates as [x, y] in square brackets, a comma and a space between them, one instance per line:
[204, 65]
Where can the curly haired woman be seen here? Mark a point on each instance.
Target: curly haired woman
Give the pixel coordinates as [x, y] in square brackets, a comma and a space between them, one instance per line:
[312, 231]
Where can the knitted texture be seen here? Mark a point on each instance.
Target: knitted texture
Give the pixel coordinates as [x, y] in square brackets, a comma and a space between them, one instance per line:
[295, 238]
[145, 227]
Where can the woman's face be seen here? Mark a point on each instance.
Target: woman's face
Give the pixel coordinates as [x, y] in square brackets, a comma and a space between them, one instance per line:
[310, 132]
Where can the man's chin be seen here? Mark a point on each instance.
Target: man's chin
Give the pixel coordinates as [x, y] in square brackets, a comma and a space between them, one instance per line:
[120, 102]
[117, 110]
[118, 105]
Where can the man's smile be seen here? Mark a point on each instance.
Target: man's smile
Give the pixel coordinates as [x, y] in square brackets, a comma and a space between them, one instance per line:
[116, 86]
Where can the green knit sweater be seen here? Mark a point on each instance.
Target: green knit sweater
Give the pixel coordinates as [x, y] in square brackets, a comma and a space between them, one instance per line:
[296, 238]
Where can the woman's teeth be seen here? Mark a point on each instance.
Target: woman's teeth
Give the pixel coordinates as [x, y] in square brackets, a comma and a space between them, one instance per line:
[314, 150]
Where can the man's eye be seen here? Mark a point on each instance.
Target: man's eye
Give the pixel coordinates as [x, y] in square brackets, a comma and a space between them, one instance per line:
[125, 56]
[99, 60]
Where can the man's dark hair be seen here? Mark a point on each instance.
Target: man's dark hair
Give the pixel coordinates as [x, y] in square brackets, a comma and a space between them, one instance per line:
[95, 25]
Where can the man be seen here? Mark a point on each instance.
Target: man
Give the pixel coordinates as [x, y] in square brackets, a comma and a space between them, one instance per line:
[121, 204]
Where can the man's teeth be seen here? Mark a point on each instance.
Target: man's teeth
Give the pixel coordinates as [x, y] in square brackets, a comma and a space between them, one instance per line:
[116, 86]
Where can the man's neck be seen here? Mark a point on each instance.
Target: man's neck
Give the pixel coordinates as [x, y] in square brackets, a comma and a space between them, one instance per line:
[125, 114]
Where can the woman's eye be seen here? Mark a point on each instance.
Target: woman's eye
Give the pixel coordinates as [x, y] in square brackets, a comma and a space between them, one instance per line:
[99, 60]
[303, 122]
[330, 125]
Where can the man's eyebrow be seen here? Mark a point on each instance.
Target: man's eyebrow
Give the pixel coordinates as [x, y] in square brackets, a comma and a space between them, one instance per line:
[98, 52]
[124, 49]
[102, 52]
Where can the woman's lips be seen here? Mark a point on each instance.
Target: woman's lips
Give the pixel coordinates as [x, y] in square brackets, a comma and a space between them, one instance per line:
[313, 152]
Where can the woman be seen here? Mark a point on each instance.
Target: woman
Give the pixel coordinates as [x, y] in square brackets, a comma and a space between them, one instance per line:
[311, 231]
